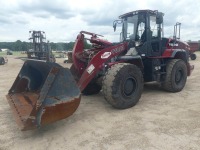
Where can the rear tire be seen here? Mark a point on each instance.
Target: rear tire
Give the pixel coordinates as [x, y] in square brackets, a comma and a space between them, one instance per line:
[176, 76]
[123, 85]
[2, 61]
[193, 56]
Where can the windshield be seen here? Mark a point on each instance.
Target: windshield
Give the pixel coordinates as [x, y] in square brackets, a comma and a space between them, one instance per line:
[129, 27]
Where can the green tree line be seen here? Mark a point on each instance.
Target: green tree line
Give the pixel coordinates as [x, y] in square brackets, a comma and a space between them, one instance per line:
[24, 46]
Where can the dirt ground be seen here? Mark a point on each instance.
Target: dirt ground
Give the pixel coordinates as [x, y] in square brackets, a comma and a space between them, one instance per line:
[161, 120]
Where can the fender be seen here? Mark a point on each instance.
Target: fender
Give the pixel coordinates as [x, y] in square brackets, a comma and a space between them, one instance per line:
[179, 54]
[172, 53]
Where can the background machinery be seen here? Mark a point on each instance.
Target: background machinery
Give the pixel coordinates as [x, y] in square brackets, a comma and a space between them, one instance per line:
[44, 92]
[3, 60]
[40, 49]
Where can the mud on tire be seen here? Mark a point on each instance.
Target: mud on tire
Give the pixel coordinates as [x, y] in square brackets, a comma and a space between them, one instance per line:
[176, 75]
[123, 85]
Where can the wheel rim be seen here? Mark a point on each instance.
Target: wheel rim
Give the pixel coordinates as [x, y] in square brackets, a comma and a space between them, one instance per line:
[178, 76]
[129, 87]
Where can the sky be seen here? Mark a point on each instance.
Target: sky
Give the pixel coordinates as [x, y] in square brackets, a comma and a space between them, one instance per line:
[62, 20]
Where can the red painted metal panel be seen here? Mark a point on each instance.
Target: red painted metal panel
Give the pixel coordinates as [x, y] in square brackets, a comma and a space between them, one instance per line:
[97, 62]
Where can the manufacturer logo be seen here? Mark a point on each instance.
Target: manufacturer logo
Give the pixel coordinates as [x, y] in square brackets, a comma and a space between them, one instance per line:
[105, 55]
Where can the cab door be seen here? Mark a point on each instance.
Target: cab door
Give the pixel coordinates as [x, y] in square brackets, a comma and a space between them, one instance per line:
[154, 37]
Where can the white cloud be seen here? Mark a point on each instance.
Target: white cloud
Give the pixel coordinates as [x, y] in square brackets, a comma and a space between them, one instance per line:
[62, 20]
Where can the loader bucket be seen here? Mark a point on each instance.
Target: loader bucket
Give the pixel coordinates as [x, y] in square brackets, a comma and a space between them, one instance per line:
[42, 93]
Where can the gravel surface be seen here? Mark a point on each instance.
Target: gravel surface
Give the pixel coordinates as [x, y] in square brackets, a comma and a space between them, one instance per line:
[161, 120]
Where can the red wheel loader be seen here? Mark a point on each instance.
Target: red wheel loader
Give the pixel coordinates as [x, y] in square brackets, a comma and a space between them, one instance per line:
[44, 92]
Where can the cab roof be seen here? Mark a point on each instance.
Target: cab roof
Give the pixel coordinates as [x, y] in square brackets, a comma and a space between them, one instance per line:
[138, 11]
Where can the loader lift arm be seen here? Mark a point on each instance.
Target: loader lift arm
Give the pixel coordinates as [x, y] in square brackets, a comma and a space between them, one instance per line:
[101, 52]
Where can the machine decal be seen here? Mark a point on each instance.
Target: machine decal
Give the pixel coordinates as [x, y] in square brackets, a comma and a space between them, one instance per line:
[90, 68]
[105, 55]
[118, 49]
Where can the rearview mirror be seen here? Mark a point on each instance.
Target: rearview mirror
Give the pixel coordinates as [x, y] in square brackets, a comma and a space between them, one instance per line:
[159, 18]
[114, 26]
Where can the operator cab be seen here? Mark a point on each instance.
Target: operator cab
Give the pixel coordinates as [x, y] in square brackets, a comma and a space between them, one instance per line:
[142, 29]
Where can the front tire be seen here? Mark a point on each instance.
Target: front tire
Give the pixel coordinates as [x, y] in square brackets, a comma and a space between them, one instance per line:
[123, 85]
[176, 75]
